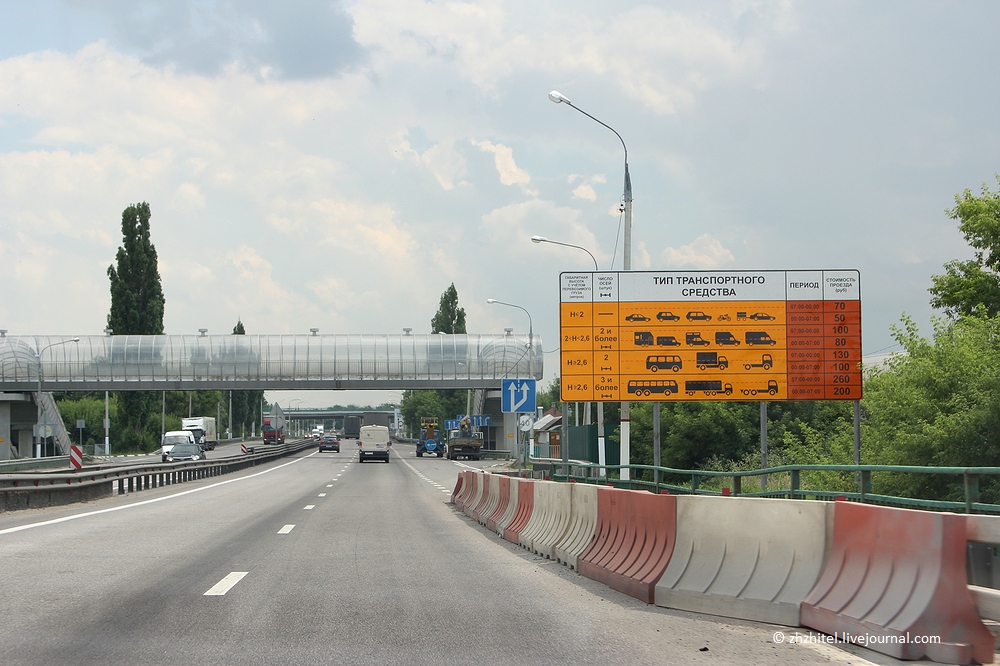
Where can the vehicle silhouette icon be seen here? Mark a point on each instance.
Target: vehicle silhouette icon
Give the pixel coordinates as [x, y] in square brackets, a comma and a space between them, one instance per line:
[667, 316]
[698, 316]
[636, 317]
[761, 316]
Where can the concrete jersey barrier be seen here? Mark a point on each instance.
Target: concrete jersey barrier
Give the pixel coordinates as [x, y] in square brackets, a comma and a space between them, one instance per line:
[745, 557]
[634, 541]
[492, 497]
[525, 504]
[554, 528]
[583, 523]
[459, 486]
[898, 576]
[540, 512]
[511, 511]
[502, 503]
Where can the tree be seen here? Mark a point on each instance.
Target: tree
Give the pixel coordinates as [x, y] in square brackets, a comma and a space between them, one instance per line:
[137, 306]
[973, 287]
[444, 404]
[449, 318]
[246, 404]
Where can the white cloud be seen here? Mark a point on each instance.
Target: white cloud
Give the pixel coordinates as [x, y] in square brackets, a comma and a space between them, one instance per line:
[441, 159]
[704, 252]
[503, 157]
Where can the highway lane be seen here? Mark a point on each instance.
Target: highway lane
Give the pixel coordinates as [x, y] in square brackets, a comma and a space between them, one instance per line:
[376, 568]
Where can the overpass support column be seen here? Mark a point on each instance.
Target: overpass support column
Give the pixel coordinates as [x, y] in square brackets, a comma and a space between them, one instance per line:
[4, 431]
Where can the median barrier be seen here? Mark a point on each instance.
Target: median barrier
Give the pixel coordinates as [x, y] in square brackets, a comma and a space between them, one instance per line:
[478, 482]
[898, 578]
[473, 494]
[463, 495]
[459, 486]
[508, 515]
[525, 505]
[583, 523]
[635, 537]
[539, 514]
[744, 557]
[502, 503]
[558, 521]
[484, 496]
[492, 497]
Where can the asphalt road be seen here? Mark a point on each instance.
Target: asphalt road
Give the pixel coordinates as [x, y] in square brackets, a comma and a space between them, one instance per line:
[319, 559]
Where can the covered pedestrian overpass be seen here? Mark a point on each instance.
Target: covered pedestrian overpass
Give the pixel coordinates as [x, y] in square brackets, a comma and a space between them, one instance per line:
[32, 367]
[268, 362]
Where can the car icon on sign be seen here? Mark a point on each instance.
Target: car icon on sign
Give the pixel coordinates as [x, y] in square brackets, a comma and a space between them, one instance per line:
[636, 317]
[761, 316]
[667, 316]
[698, 316]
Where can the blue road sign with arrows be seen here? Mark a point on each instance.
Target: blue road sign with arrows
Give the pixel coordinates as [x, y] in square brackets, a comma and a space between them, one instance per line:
[517, 395]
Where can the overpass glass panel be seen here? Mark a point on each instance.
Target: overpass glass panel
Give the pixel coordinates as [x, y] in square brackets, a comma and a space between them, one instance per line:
[364, 361]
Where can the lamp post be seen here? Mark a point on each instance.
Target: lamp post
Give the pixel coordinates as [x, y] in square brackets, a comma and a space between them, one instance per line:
[38, 396]
[531, 352]
[543, 239]
[559, 98]
[601, 457]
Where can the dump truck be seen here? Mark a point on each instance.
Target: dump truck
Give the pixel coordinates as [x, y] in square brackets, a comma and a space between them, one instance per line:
[430, 438]
[464, 442]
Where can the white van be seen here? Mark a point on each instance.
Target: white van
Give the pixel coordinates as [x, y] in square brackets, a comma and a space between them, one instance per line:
[373, 442]
[175, 437]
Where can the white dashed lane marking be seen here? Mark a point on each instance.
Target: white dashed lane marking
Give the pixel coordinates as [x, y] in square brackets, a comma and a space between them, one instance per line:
[308, 506]
[286, 529]
[226, 584]
[322, 494]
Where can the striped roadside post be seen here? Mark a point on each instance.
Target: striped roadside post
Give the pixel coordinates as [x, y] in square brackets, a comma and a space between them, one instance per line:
[75, 457]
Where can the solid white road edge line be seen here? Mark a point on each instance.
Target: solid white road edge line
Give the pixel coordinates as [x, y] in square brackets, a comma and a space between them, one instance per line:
[87, 514]
[225, 584]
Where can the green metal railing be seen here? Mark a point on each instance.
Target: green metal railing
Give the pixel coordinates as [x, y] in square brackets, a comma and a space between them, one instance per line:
[786, 482]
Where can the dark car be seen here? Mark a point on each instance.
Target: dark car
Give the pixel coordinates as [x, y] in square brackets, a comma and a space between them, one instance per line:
[182, 452]
[761, 316]
[329, 443]
[667, 316]
[636, 317]
[698, 316]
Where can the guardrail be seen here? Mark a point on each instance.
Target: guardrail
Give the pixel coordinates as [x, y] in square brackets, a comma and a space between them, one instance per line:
[24, 491]
[790, 479]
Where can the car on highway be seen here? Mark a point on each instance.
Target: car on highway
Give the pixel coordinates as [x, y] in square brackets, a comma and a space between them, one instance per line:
[183, 452]
[373, 443]
[329, 443]
[172, 439]
[636, 317]
[667, 316]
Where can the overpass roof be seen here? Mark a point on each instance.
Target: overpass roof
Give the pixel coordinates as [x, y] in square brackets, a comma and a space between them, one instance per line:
[271, 362]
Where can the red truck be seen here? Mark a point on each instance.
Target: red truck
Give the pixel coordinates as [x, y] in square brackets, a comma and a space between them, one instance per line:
[273, 428]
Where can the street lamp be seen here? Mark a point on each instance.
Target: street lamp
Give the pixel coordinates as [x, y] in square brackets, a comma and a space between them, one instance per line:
[531, 336]
[600, 405]
[543, 239]
[38, 396]
[558, 98]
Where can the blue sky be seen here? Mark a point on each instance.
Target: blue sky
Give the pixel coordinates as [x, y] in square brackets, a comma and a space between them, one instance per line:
[338, 165]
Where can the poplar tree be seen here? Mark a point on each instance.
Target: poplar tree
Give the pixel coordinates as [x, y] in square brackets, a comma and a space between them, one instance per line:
[246, 404]
[137, 305]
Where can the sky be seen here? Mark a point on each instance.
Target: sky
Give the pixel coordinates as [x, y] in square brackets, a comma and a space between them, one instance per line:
[339, 164]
